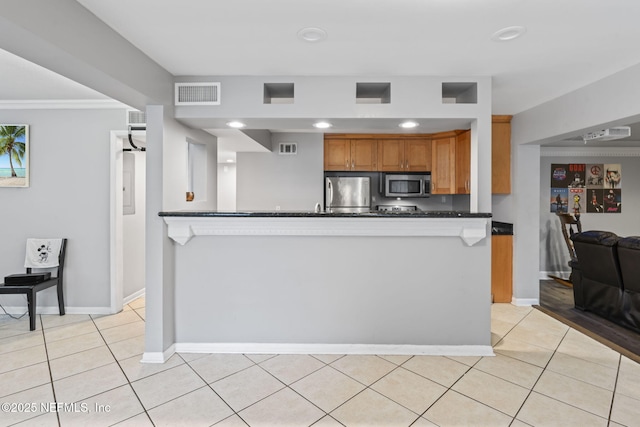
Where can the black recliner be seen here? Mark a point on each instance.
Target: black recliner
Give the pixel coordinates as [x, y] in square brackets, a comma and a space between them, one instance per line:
[629, 258]
[600, 287]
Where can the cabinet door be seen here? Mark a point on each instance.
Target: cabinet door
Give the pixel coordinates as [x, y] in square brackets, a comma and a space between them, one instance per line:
[337, 155]
[463, 163]
[501, 155]
[391, 155]
[501, 268]
[443, 166]
[364, 155]
[417, 155]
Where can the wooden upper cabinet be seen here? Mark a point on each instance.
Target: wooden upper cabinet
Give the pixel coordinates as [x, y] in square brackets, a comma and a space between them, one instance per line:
[417, 155]
[337, 154]
[443, 166]
[501, 154]
[364, 155]
[391, 155]
[350, 155]
[409, 155]
[463, 163]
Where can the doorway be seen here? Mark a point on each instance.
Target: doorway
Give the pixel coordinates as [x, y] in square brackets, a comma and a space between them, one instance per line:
[128, 210]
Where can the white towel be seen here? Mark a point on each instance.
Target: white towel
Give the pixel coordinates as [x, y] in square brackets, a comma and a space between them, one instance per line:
[42, 253]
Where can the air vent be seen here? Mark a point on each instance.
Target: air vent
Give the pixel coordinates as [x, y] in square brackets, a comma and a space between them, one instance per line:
[136, 118]
[197, 93]
[288, 148]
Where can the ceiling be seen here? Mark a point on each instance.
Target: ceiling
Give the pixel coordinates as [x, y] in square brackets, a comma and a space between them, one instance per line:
[567, 44]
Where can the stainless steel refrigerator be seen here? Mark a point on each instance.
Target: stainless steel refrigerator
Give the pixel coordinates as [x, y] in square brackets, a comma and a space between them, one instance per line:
[347, 194]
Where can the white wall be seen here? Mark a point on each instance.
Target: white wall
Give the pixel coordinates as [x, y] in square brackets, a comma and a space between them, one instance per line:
[68, 197]
[133, 232]
[554, 255]
[226, 186]
[292, 182]
[175, 161]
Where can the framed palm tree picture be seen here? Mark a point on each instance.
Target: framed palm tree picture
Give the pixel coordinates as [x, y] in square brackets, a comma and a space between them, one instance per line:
[14, 155]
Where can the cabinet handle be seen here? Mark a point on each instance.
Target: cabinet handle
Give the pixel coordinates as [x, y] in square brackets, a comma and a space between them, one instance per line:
[407, 164]
[353, 164]
[346, 163]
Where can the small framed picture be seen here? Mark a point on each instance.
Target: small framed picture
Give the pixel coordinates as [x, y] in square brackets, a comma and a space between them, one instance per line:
[14, 155]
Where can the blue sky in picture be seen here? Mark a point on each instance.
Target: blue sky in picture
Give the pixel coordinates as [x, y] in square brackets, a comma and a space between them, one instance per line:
[4, 158]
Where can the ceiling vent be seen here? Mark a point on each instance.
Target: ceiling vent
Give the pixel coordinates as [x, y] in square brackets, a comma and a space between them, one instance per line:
[197, 94]
[136, 118]
[608, 134]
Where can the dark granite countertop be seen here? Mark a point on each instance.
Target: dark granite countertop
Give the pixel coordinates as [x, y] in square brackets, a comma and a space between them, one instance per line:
[312, 214]
[501, 228]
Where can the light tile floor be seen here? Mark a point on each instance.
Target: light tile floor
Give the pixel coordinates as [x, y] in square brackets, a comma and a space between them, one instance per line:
[85, 370]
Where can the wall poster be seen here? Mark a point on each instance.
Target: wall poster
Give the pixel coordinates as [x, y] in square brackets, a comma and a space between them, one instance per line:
[586, 188]
[14, 155]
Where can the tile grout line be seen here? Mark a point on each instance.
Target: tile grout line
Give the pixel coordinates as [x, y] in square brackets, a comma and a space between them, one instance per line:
[123, 373]
[615, 387]
[544, 369]
[46, 352]
[207, 384]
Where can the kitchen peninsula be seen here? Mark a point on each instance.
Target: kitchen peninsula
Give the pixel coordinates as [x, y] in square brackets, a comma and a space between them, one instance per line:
[307, 282]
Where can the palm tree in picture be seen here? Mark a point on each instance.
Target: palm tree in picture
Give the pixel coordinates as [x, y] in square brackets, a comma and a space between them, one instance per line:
[12, 144]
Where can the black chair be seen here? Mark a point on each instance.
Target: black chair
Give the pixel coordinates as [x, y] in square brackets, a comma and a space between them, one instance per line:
[600, 288]
[31, 289]
[629, 257]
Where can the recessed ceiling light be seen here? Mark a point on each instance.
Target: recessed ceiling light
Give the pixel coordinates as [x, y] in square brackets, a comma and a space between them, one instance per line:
[408, 125]
[508, 33]
[322, 125]
[236, 124]
[229, 160]
[312, 34]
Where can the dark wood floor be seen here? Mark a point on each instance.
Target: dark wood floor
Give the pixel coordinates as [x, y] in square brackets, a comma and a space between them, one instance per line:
[557, 301]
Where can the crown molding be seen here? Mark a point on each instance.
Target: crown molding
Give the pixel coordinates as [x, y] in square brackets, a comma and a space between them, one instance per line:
[62, 104]
[590, 152]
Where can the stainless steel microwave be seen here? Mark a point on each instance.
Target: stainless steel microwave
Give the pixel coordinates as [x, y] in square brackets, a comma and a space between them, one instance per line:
[407, 185]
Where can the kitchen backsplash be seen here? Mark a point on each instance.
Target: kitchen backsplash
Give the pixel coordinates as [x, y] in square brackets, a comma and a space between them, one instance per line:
[436, 202]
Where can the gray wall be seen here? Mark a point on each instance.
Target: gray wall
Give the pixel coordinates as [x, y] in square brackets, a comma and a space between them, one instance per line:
[166, 187]
[293, 182]
[554, 254]
[608, 102]
[321, 290]
[68, 197]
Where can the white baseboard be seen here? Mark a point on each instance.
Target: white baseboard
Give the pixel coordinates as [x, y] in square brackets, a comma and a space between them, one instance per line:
[525, 302]
[380, 349]
[133, 296]
[159, 357]
[54, 310]
[544, 275]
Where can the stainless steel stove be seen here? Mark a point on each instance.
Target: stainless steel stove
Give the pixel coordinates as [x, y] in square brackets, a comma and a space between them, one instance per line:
[398, 208]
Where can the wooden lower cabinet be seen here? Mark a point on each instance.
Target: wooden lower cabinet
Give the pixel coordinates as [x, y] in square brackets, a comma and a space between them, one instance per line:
[501, 268]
